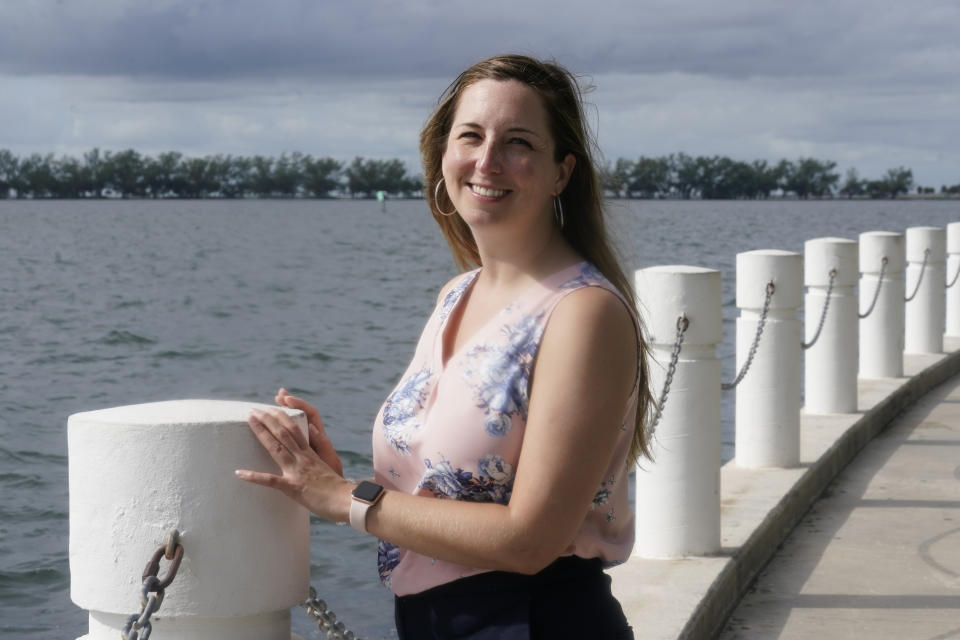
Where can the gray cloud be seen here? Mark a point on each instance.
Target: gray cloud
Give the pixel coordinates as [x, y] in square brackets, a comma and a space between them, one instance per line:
[310, 38]
[867, 83]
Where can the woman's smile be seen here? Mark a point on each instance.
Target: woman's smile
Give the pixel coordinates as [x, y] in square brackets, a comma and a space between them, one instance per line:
[488, 192]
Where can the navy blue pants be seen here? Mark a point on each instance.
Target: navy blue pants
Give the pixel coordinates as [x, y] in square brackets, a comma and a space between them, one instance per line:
[571, 598]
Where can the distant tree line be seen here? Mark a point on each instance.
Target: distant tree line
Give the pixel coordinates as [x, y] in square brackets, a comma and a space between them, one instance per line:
[718, 177]
[172, 175]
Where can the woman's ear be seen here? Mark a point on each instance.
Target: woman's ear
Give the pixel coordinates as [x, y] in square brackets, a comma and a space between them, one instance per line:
[564, 171]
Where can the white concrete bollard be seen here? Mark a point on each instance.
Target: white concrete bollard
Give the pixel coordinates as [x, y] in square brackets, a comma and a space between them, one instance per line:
[881, 331]
[925, 310]
[140, 471]
[768, 396]
[680, 490]
[830, 363]
[953, 275]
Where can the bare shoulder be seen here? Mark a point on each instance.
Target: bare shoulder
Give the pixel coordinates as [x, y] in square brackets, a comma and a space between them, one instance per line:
[592, 335]
[597, 311]
[589, 345]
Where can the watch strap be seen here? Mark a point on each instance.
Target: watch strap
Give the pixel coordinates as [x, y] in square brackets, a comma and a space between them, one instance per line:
[358, 514]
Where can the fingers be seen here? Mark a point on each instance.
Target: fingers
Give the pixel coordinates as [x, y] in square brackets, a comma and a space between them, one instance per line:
[320, 443]
[318, 437]
[258, 477]
[285, 399]
[280, 453]
[277, 432]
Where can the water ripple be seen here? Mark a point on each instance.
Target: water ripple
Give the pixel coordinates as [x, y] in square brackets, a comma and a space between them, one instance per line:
[120, 337]
[33, 456]
[20, 481]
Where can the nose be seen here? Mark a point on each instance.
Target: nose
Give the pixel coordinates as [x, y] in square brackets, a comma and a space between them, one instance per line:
[490, 160]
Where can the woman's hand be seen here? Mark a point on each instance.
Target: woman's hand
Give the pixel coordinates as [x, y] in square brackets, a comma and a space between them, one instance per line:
[305, 475]
[319, 440]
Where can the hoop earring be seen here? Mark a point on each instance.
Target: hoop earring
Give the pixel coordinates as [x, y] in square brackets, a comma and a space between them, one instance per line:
[436, 201]
[558, 210]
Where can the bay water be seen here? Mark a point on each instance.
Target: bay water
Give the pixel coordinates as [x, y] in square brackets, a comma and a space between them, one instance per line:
[108, 303]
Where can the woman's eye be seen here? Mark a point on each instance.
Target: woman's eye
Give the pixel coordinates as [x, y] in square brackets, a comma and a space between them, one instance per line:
[521, 141]
[470, 134]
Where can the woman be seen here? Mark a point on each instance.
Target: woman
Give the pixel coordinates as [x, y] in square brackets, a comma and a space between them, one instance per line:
[525, 402]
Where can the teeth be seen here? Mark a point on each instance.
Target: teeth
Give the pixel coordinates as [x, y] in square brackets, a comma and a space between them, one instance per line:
[489, 193]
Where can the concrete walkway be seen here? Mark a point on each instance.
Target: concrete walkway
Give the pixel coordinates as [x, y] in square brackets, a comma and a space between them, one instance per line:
[695, 597]
[878, 556]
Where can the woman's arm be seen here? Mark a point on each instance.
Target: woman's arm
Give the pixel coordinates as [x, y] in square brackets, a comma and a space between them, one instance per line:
[583, 376]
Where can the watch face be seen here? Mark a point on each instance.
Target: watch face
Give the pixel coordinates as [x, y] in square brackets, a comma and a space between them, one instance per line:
[367, 491]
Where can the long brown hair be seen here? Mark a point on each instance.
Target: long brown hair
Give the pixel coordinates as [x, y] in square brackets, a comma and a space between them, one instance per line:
[582, 199]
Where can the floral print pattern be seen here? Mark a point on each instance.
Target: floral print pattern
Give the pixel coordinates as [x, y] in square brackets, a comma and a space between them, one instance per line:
[388, 557]
[602, 496]
[401, 408]
[493, 481]
[588, 274]
[453, 296]
[500, 373]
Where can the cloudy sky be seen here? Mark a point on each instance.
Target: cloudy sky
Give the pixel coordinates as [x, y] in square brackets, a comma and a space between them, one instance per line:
[870, 84]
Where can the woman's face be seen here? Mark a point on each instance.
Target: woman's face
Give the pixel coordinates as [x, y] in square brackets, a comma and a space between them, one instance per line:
[498, 164]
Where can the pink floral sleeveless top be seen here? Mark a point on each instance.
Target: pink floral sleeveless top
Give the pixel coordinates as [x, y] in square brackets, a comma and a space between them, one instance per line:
[455, 431]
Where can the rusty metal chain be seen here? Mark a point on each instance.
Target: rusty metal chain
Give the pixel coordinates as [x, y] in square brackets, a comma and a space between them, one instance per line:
[138, 626]
[727, 386]
[683, 323]
[326, 619]
[823, 316]
[876, 294]
[923, 269]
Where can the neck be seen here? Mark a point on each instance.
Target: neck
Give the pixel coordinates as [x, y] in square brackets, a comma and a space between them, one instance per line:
[519, 258]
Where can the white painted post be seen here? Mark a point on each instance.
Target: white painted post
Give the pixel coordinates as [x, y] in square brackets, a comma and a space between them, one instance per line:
[680, 489]
[140, 471]
[768, 396]
[881, 332]
[953, 275]
[830, 366]
[925, 312]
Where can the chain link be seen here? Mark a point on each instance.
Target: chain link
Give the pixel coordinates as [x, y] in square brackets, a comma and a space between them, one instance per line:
[326, 619]
[955, 277]
[683, 323]
[823, 316]
[138, 626]
[923, 269]
[876, 294]
[727, 386]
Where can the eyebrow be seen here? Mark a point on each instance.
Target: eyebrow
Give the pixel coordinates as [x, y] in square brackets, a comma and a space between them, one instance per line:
[474, 125]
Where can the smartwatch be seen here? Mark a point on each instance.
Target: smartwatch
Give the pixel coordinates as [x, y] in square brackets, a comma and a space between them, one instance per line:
[365, 495]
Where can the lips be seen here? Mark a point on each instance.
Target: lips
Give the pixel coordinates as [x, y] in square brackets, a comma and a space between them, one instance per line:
[486, 192]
